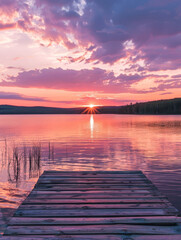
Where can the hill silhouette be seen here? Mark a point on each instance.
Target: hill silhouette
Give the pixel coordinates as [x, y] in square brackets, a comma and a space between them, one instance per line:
[171, 106]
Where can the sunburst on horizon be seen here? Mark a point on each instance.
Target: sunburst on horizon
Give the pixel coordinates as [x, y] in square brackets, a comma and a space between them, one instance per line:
[91, 105]
[91, 109]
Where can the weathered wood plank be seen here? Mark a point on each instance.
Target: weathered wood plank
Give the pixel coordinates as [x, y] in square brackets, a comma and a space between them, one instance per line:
[95, 213]
[31, 200]
[128, 182]
[94, 196]
[94, 237]
[72, 188]
[92, 172]
[91, 192]
[109, 177]
[154, 220]
[129, 187]
[93, 229]
[95, 206]
[91, 175]
[87, 185]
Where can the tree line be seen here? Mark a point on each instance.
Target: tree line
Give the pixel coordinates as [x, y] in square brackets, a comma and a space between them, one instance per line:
[171, 106]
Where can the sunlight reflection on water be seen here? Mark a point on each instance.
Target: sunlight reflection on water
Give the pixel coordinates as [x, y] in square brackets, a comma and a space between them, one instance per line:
[88, 142]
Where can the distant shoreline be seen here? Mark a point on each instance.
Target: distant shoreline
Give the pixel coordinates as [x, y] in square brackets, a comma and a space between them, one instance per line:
[141, 114]
[160, 107]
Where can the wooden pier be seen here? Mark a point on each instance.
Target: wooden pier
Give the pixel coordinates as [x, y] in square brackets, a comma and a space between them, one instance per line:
[100, 205]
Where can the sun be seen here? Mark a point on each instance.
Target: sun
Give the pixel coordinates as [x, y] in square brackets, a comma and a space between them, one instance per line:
[91, 109]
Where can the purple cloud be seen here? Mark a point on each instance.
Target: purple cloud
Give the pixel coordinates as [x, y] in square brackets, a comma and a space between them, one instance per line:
[74, 80]
[17, 96]
[107, 25]
[103, 26]
[105, 29]
[4, 26]
[97, 80]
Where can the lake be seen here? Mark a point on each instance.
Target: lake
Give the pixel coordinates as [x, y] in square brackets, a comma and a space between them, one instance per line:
[29, 144]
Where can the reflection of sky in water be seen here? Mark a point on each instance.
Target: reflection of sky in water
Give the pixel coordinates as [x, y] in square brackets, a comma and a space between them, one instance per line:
[89, 142]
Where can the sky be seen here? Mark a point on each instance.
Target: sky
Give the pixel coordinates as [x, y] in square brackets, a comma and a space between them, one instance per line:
[71, 53]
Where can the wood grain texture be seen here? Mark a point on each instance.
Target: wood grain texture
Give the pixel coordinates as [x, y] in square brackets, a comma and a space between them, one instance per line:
[156, 220]
[93, 237]
[93, 229]
[98, 205]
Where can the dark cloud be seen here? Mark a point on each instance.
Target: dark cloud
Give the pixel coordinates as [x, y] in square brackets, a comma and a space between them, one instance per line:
[107, 25]
[103, 26]
[147, 30]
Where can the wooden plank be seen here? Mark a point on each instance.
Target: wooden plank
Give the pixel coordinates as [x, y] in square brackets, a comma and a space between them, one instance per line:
[107, 176]
[82, 188]
[95, 206]
[92, 172]
[36, 200]
[93, 177]
[122, 183]
[93, 229]
[74, 188]
[86, 181]
[93, 237]
[95, 213]
[90, 175]
[97, 181]
[129, 187]
[91, 192]
[154, 220]
[94, 196]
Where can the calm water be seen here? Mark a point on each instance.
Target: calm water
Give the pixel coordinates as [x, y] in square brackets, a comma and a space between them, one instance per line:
[87, 142]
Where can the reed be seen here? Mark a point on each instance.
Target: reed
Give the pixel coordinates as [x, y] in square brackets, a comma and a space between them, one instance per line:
[51, 151]
[25, 161]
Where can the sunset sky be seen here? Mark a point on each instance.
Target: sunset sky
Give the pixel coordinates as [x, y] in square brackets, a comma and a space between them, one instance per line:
[68, 53]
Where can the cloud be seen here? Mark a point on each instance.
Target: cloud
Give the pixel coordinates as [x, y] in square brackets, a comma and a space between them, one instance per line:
[17, 96]
[144, 35]
[108, 25]
[169, 84]
[74, 80]
[83, 100]
[103, 27]
[5, 26]
[95, 80]
[165, 93]
[105, 101]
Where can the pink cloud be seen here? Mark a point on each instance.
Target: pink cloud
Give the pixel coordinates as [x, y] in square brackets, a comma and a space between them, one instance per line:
[5, 26]
[97, 80]
[100, 28]
[74, 80]
[106, 25]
